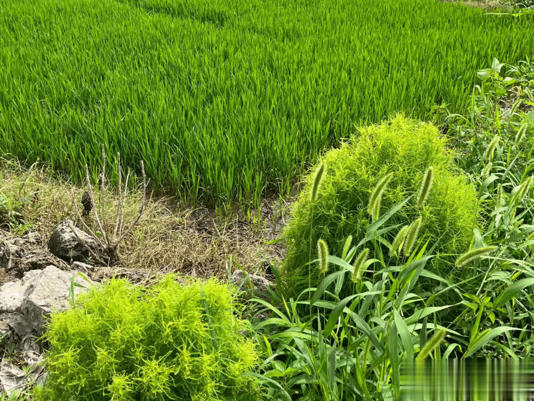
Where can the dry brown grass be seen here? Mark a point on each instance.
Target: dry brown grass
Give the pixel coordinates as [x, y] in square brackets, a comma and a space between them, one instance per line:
[484, 4]
[168, 238]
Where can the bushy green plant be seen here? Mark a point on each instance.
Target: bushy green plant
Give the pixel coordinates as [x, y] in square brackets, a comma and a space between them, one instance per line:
[166, 342]
[402, 150]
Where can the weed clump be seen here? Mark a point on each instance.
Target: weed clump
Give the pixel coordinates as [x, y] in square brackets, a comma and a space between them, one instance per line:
[378, 168]
[166, 342]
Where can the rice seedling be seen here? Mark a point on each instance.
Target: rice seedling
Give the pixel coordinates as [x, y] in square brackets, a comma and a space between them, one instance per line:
[228, 101]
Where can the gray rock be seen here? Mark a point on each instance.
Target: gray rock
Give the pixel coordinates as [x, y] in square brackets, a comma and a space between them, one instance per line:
[258, 285]
[26, 303]
[19, 255]
[72, 244]
[12, 378]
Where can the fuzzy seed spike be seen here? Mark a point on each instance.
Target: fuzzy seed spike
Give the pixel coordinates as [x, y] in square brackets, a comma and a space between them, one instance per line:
[432, 344]
[376, 196]
[520, 134]
[411, 236]
[322, 249]
[357, 273]
[522, 191]
[490, 150]
[487, 169]
[376, 210]
[317, 179]
[398, 242]
[346, 247]
[426, 185]
[473, 254]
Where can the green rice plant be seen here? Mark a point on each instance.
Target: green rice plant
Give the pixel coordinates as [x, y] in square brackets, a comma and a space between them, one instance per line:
[384, 165]
[229, 101]
[168, 342]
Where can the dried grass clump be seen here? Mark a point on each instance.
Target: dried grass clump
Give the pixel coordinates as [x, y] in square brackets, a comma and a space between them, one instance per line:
[168, 237]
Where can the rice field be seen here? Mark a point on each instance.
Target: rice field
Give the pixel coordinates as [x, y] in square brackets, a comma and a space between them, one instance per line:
[230, 100]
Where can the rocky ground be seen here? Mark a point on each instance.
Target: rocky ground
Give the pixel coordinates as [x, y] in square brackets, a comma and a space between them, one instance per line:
[49, 253]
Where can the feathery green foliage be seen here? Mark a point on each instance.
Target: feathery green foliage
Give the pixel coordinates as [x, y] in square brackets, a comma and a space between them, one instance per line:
[405, 148]
[226, 100]
[167, 342]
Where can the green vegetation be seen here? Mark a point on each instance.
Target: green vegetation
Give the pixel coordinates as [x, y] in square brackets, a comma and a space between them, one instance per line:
[335, 345]
[502, 118]
[330, 347]
[223, 100]
[401, 162]
[166, 342]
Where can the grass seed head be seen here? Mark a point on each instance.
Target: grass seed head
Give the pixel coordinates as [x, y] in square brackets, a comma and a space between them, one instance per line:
[346, 247]
[473, 254]
[426, 185]
[520, 134]
[398, 242]
[411, 236]
[376, 196]
[317, 179]
[487, 169]
[357, 273]
[431, 344]
[322, 250]
[490, 150]
[521, 192]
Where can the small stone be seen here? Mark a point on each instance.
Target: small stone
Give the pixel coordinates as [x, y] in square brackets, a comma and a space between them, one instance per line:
[72, 244]
[245, 281]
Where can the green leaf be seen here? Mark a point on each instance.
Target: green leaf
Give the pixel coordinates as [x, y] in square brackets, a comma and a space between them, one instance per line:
[363, 326]
[405, 335]
[513, 290]
[334, 315]
[332, 368]
[484, 338]
[325, 283]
